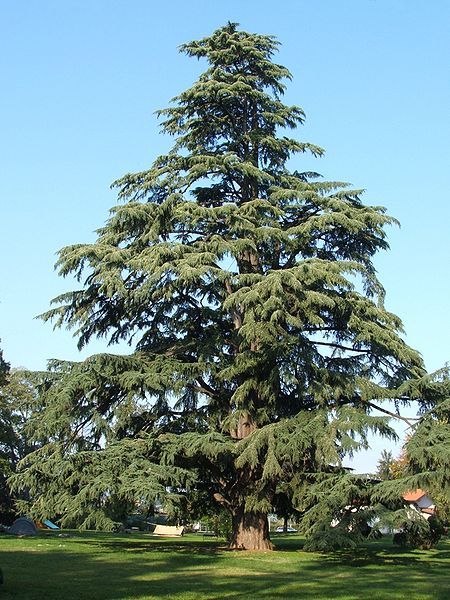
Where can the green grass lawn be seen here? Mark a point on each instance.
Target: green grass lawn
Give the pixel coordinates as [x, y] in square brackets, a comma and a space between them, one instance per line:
[101, 566]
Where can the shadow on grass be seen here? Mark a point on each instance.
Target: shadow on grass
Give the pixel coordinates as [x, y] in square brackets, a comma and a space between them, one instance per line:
[101, 567]
[149, 544]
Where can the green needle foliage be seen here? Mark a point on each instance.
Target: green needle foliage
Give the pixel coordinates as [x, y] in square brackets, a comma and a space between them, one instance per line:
[4, 368]
[6, 436]
[247, 291]
[17, 399]
[426, 456]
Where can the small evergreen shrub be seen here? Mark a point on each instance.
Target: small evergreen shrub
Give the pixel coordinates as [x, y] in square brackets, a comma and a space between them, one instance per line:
[420, 534]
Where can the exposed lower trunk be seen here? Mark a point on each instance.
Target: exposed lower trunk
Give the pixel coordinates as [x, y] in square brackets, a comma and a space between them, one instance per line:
[285, 525]
[250, 531]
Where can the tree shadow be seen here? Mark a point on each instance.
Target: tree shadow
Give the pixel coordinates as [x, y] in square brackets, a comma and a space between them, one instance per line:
[148, 545]
[113, 568]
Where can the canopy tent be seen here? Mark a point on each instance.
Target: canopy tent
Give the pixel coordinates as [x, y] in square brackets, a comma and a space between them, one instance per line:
[168, 531]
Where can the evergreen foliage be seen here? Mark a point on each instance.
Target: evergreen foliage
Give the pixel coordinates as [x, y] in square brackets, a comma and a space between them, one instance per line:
[246, 288]
[17, 399]
[424, 462]
[5, 437]
[4, 368]
[385, 465]
[419, 533]
[428, 448]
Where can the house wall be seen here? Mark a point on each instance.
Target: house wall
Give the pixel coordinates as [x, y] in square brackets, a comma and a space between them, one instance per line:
[425, 502]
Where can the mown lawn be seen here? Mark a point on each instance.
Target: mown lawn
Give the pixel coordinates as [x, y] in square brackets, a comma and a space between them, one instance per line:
[101, 566]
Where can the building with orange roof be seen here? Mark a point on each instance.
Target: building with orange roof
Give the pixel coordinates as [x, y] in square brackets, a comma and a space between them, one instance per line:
[420, 501]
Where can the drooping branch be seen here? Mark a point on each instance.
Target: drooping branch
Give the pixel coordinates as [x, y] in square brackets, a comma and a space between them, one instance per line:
[342, 347]
[407, 420]
[205, 388]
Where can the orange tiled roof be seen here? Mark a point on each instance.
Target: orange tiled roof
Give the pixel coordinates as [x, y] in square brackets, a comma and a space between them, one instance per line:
[414, 495]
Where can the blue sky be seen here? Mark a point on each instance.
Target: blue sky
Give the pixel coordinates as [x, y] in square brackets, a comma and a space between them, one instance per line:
[81, 81]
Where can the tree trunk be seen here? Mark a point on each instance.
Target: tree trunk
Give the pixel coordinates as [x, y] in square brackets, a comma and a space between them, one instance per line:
[244, 428]
[250, 531]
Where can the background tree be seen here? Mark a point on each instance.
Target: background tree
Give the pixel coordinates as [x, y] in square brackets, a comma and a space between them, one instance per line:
[283, 506]
[427, 450]
[4, 368]
[384, 465]
[399, 465]
[18, 399]
[424, 461]
[5, 435]
[247, 289]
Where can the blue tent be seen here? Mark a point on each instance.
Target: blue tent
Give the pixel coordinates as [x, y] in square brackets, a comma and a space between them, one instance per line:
[23, 526]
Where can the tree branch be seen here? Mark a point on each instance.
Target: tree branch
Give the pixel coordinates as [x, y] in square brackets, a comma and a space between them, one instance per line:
[394, 415]
[340, 347]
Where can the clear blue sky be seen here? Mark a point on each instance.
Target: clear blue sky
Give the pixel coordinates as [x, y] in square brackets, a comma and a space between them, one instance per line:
[82, 79]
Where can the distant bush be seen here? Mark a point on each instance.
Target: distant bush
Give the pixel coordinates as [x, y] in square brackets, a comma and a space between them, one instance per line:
[420, 534]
